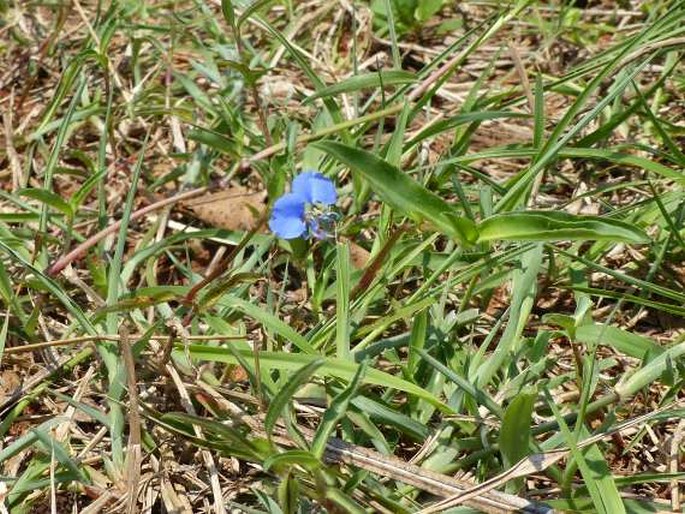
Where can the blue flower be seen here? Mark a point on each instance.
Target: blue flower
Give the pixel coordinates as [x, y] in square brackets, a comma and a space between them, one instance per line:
[306, 209]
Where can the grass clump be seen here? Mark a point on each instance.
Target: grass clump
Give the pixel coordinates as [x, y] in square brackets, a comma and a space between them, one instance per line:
[487, 318]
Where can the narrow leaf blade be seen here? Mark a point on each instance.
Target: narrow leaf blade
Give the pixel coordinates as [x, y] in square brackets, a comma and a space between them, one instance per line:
[557, 226]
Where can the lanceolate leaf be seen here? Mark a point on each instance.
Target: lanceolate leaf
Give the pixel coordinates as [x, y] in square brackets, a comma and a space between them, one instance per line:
[48, 198]
[365, 81]
[634, 345]
[515, 432]
[280, 401]
[403, 193]
[556, 226]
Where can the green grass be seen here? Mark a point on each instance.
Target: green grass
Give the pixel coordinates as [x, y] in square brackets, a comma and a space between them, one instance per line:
[518, 321]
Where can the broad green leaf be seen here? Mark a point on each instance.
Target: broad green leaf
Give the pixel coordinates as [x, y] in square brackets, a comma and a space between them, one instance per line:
[557, 226]
[623, 341]
[403, 193]
[288, 493]
[514, 436]
[597, 476]
[385, 415]
[427, 8]
[365, 81]
[214, 140]
[227, 11]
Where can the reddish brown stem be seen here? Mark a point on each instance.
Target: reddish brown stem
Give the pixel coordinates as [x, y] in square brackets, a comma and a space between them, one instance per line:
[82, 248]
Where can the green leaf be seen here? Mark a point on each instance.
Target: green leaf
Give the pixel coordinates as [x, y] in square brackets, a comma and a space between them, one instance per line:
[524, 288]
[343, 501]
[51, 286]
[477, 394]
[213, 140]
[283, 396]
[557, 226]
[336, 411]
[48, 198]
[228, 12]
[427, 8]
[142, 298]
[291, 458]
[385, 415]
[61, 455]
[270, 321]
[343, 369]
[651, 372]
[593, 468]
[403, 193]
[252, 9]
[462, 119]
[364, 81]
[394, 148]
[625, 342]
[3, 334]
[514, 436]
[342, 314]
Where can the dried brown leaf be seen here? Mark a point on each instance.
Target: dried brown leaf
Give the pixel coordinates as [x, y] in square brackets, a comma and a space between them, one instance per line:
[358, 256]
[236, 208]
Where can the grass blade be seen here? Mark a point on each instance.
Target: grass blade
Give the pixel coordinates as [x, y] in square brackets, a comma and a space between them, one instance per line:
[280, 401]
[557, 226]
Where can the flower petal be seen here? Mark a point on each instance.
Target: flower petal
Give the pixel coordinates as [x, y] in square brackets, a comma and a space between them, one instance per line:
[315, 188]
[287, 228]
[287, 217]
[290, 204]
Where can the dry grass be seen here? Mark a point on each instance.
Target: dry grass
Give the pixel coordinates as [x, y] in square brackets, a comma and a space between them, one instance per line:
[164, 92]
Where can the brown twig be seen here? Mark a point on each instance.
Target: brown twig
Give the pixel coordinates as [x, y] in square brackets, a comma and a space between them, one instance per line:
[82, 248]
[375, 265]
[220, 268]
[340, 452]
